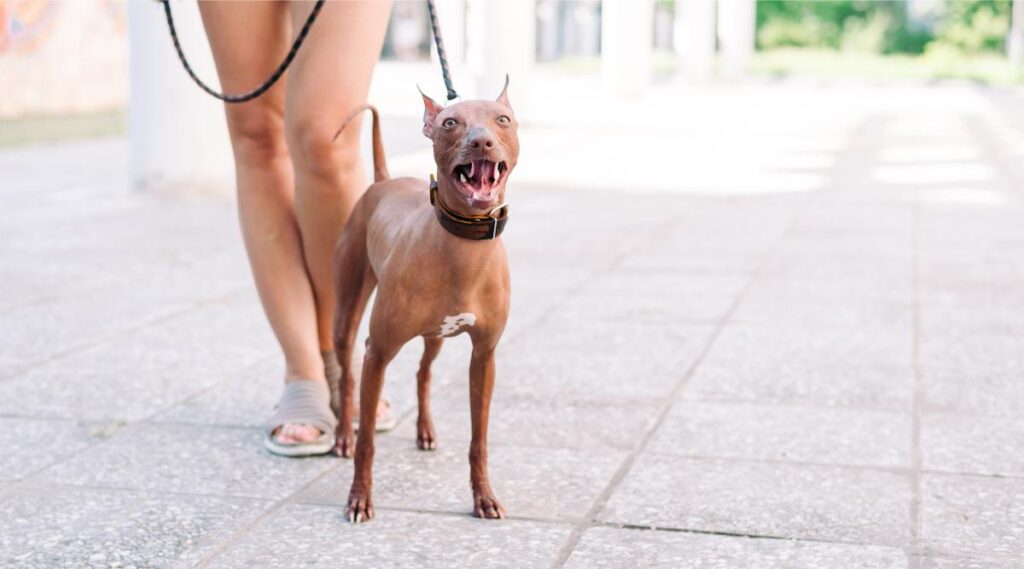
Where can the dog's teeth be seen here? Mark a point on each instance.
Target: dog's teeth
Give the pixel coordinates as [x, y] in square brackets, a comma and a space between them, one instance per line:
[462, 178]
[472, 168]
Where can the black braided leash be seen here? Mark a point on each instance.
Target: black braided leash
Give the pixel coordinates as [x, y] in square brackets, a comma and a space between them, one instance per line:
[266, 84]
[293, 51]
[441, 54]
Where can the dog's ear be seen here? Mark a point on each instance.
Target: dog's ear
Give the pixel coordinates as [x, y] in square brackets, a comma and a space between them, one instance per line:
[503, 97]
[430, 111]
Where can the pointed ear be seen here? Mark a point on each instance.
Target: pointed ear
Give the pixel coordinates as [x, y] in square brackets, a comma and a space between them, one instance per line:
[430, 112]
[503, 97]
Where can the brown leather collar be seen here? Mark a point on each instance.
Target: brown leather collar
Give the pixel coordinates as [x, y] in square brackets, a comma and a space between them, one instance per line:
[472, 227]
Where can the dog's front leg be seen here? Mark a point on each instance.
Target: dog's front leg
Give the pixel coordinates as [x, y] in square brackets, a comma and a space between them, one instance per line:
[360, 502]
[481, 384]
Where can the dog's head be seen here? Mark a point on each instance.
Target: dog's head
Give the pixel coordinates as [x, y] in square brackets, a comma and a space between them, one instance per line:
[476, 146]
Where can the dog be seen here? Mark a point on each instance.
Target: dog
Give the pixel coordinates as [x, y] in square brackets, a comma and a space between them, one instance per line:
[434, 254]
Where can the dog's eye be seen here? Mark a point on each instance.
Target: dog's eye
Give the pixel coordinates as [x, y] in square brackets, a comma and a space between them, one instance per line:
[504, 120]
[449, 123]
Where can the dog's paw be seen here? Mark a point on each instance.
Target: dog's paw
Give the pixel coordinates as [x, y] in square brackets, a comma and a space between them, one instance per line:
[486, 506]
[344, 445]
[426, 438]
[359, 508]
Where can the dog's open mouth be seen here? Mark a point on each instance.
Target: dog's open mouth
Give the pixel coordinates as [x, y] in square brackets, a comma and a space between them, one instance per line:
[480, 180]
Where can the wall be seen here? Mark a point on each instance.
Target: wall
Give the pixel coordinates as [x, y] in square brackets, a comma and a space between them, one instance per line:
[62, 57]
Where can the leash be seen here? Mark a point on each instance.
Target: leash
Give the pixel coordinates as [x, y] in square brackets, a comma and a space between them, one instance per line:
[266, 84]
[441, 54]
[438, 41]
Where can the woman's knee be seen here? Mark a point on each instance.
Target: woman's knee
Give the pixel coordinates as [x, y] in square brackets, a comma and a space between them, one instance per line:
[257, 134]
[315, 149]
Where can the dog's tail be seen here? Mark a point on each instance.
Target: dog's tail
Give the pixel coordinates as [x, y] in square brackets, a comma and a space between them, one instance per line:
[380, 165]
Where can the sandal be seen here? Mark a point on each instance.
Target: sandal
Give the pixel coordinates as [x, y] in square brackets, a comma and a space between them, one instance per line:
[308, 403]
[385, 421]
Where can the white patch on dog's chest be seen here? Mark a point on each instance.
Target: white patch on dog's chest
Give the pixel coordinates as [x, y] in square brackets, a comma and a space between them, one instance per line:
[453, 324]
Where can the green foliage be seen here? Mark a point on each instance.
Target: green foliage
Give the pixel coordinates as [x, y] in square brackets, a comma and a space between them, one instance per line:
[974, 27]
[869, 26]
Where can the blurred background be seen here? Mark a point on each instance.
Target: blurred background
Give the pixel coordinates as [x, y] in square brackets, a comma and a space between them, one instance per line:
[106, 67]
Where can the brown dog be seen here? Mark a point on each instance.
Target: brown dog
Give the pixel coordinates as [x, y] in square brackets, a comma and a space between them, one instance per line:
[434, 256]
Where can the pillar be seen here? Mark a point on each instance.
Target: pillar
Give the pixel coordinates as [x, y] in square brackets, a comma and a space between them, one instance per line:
[178, 135]
[626, 38]
[694, 38]
[737, 26]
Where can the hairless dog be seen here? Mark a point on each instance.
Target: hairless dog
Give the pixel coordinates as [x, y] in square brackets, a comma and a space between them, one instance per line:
[434, 255]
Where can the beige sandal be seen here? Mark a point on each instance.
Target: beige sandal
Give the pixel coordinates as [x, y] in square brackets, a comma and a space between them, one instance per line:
[308, 403]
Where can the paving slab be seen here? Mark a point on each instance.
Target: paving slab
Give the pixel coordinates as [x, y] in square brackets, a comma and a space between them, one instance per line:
[46, 526]
[966, 391]
[972, 516]
[320, 537]
[531, 482]
[32, 444]
[785, 433]
[763, 498]
[612, 547]
[972, 444]
[800, 382]
[195, 460]
[540, 420]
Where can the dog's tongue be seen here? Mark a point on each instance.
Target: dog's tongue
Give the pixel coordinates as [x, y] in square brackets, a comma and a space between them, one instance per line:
[483, 170]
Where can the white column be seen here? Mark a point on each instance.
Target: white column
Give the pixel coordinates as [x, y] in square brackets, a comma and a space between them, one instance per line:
[626, 38]
[500, 34]
[178, 136]
[736, 29]
[694, 38]
[1015, 43]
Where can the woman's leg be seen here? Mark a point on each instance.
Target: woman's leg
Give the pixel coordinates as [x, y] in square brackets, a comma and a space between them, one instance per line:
[249, 39]
[328, 79]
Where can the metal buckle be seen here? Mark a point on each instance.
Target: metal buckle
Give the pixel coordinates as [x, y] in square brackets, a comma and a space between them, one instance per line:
[493, 214]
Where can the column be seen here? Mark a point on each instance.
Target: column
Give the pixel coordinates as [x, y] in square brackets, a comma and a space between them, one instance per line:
[500, 34]
[694, 38]
[1015, 42]
[178, 136]
[626, 38]
[737, 26]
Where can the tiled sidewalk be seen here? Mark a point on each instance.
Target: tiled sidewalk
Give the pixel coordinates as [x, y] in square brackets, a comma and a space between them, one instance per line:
[823, 378]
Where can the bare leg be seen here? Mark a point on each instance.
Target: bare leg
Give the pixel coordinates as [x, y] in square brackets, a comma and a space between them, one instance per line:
[426, 438]
[248, 41]
[481, 385]
[329, 78]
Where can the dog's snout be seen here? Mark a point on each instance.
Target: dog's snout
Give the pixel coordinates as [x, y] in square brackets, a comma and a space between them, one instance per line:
[480, 139]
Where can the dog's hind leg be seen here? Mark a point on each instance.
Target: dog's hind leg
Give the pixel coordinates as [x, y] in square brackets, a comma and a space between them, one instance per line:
[426, 438]
[354, 281]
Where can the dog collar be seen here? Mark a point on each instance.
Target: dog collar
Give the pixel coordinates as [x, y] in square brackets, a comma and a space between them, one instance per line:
[472, 227]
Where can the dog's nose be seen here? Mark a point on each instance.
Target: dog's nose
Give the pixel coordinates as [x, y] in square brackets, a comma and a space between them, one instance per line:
[479, 138]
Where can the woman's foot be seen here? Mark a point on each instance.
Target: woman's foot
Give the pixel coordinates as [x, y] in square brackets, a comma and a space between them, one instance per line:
[299, 433]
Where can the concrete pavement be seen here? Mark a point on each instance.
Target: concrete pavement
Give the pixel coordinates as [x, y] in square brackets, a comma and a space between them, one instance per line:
[774, 326]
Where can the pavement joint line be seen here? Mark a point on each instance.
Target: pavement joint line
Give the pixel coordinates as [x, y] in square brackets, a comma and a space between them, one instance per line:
[98, 440]
[724, 533]
[446, 513]
[562, 556]
[227, 377]
[278, 505]
[29, 484]
[105, 337]
[916, 461]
